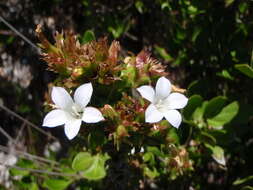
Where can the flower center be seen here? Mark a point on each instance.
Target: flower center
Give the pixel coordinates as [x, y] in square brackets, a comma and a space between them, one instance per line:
[160, 105]
[76, 111]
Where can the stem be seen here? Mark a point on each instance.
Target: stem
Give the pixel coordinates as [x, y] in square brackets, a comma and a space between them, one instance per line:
[41, 171]
[26, 121]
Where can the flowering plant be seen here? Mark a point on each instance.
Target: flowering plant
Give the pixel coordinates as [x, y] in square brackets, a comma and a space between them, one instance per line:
[125, 131]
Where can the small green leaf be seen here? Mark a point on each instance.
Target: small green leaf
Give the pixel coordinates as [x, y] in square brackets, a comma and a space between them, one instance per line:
[172, 136]
[82, 161]
[129, 75]
[151, 173]
[214, 106]
[154, 150]
[56, 184]
[163, 53]
[229, 2]
[243, 180]
[225, 74]
[96, 170]
[139, 6]
[92, 167]
[196, 33]
[88, 36]
[245, 69]
[225, 115]
[198, 114]
[148, 156]
[247, 188]
[218, 155]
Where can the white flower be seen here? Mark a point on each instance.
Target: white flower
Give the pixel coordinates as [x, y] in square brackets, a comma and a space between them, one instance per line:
[163, 102]
[72, 113]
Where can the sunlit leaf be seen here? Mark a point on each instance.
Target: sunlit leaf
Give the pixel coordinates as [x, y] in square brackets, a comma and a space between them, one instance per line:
[245, 69]
[225, 115]
[82, 161]
[91, 167]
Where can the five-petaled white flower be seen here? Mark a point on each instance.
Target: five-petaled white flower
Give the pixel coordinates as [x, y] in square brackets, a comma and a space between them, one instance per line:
[163, 102]
[72, 113]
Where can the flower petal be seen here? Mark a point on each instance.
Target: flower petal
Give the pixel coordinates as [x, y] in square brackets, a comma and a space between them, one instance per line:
[152, 115]
[163, 88]
[61, 98]
[147, 92]
[92, 115]
[83, 94]
[72, 128]
[173, 117]
[55, 118]
[176, 101]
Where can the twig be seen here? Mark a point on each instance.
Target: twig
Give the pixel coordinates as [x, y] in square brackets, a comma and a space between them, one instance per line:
[6, 134]
[41, 171]
[19, 34]
[29, 156]
[27, 122]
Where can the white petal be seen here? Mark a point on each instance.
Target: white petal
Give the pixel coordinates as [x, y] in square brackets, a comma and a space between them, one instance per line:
[152, 115]
[83, 94]
[163, 88]
[92, 115]
[72, 128]
[176, 101]
[173, 117]
[61, 98]
[147, 92]
[55, 118]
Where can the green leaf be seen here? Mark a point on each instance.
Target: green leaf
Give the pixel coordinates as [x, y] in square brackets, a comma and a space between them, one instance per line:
[154, 150]
[243, 6]
[88, 36]
[214, 106]
[82, 161]
[148, 156]
[196, 32]
[225, 115]
[96, 171]
[92, 167]
[56, 184]
[218, 155]
[139, 6]
[151, 173]
[193, 102]
[163, 53]
[198, 115]
[172, 136]
[243, 180]
[247, 188]
[225, 74]
[228, 2]
[245, 69]
[129, 75]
